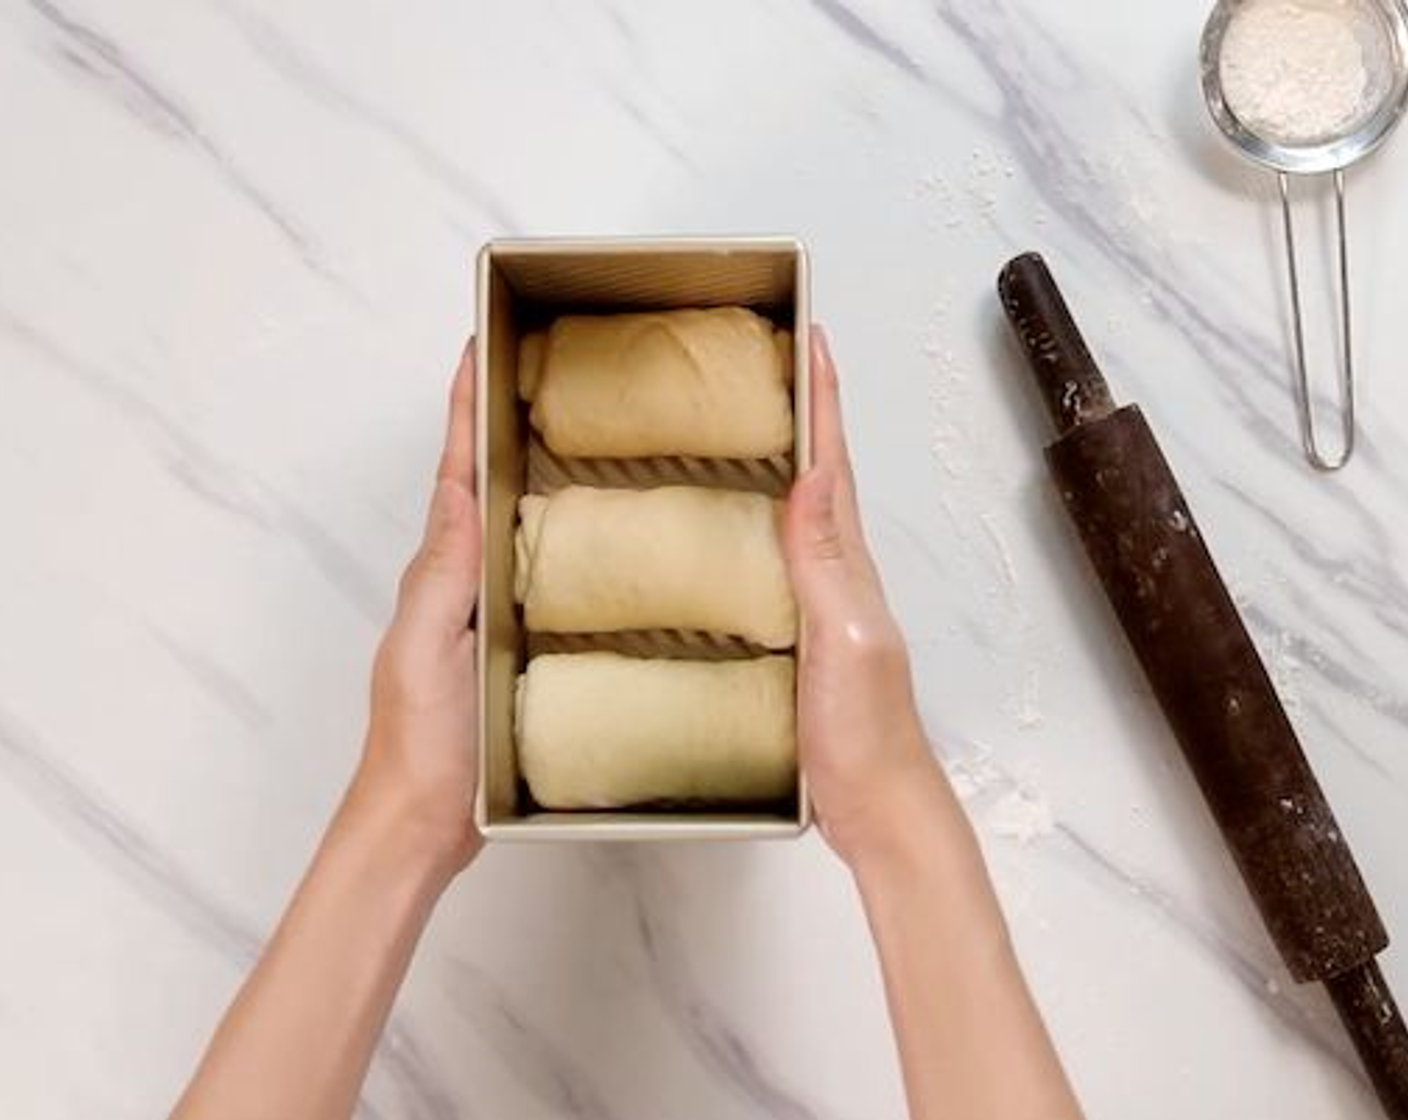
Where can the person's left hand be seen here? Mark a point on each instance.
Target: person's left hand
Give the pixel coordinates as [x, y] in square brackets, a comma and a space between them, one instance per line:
[420, 765]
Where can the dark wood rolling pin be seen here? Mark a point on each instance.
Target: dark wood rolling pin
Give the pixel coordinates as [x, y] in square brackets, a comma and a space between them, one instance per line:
[1209, 680]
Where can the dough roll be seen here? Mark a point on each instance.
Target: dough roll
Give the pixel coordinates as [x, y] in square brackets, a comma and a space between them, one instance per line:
[601, 731]
[713, 383]
[676, 558]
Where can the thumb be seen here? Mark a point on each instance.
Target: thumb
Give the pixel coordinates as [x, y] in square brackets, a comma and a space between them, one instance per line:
[813, 540]
[442, 582]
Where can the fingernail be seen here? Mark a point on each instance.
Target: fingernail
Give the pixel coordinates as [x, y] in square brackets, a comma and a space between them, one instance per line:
[464, 371]
[824, 366]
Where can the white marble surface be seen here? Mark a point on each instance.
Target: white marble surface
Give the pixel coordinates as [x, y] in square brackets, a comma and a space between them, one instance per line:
[235, 239]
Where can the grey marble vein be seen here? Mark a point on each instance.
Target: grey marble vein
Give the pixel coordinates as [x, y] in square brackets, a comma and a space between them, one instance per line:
[100, 59]
[221, 485]
[1382, 587]
[339, 565]
[1012, 46]
[422, 1093]
[621, 25]
[97, 826]
[1250, 969]
[549, 1073]
[898, 525]
[701, 1024]
[304, 73]
[1013, 49]
[216, 681]
[862, 34]
[638, 115]
[891, 524]
[1380, 591]
[869, 39]
[610, 81]
[1313, 659]
[1060, 170]
[1317, 719]
[1372, 579]
[1251, 973]
[93, 823]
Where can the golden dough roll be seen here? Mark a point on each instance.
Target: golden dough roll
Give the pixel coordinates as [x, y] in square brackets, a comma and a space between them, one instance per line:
[602, 731]
[712, 383]
[676, 558]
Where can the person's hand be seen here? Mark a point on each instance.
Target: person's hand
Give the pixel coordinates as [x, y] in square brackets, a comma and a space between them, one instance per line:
[419, 766]
[861, 744]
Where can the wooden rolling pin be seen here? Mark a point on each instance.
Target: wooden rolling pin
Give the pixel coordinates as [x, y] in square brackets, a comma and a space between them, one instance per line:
[1209, 680]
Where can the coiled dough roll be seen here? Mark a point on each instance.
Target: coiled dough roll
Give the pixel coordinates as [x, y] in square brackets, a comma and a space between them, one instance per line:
[678, 558]
[602, 731]
[712, 383]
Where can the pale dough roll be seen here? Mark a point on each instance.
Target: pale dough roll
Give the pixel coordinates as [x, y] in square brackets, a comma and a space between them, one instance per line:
[713, 383]
[601, 731]
[531, 349]
[676, 558]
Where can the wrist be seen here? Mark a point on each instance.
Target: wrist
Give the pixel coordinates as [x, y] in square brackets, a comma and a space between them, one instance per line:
[913, 821]
[927, 849]
[872, 808]
[426, 848]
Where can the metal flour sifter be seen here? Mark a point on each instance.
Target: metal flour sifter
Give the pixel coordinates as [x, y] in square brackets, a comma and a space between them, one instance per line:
[1309, 87]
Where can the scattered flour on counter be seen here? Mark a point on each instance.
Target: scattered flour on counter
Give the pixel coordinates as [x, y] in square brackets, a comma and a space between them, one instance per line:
[1133, 179]
[1028, 717]
[1024, 698]
[983, 169]
[934, 187]
[973, 495]
[999, 545]
[1017, 810]
[974, 192]
[1020, 815]
[1286, 668]
[1025, 701]
[973, 774]
[951, 441]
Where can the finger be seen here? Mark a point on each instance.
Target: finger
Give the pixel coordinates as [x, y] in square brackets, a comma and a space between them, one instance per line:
[828, 434]
[817, 548]
[828, 430]
[441, 584]
[457, 459]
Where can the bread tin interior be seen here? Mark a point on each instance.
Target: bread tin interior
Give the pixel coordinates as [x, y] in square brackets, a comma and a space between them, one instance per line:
[523, 285]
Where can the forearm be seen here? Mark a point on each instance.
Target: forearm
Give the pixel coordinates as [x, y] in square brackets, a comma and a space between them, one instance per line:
[299, 1037]
[971, 1042]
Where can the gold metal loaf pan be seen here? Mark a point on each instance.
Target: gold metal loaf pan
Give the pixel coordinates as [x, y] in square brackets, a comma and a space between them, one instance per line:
[523, 284]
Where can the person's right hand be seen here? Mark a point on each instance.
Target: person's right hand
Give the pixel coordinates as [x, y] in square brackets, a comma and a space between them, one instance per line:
[859, 737]
[419, 766]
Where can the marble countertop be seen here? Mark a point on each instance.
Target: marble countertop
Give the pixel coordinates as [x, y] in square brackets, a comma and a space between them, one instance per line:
[236, 240]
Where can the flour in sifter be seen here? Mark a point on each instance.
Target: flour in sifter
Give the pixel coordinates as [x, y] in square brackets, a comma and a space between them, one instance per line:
[1301, 71]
